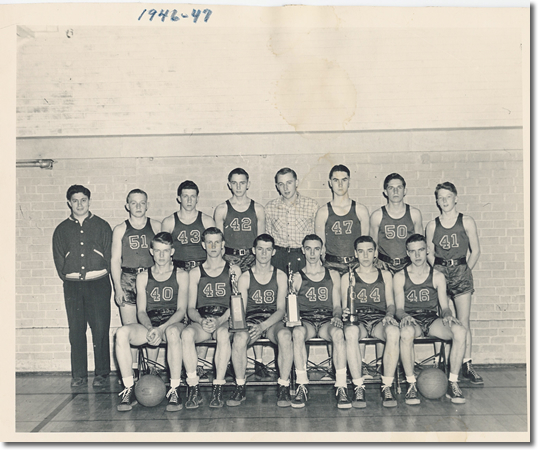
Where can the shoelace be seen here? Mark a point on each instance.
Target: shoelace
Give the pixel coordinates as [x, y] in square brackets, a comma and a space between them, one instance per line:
[124, 393]
[470, 368]
[341, 391]
[302, 389]
[456, 389]
[412, 390]
[359, 392]
[172, 394]
[386, 392]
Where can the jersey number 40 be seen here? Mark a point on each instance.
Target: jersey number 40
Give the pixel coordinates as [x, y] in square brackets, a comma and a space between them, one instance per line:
[167, 294]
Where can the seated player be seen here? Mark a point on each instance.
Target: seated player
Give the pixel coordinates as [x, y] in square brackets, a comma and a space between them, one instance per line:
[263, 289]
[161, 301]
[208, 310]
[419, 292]
[374, 305]
[318, 298]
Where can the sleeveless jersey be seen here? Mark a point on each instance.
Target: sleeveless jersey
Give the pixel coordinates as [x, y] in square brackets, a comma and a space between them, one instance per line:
[161, 298]
[341, 231]
[393, 233]
[370, 295]
[450, 243]
[214, 291]
[135, 246]
[188, 240]
[262, 297]
[315, 295]
[240, 228]
[420, 296]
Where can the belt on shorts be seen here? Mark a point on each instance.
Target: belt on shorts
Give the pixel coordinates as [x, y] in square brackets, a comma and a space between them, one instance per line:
[288, 249]
[236, 251]
[395, 261]
[450, 262]
[133, 270]
[188, 265]
[339, 259]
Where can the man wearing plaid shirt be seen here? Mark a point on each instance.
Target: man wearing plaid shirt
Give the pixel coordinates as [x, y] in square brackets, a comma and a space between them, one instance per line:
[289, 219]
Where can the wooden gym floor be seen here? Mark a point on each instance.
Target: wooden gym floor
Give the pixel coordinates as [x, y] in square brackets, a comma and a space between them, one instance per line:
[46, 403]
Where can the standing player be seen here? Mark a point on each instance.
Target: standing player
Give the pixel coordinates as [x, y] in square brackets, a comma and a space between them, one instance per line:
[263, 289]
[393, 223]
[454, 249]
[374, 303]
[130, 256]
[340, 222]
[419, 291]
[289, 219]
[208, 309]
[161, 301]
[318, 297]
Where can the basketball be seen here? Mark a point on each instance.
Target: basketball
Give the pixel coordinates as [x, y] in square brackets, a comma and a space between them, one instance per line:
[150, 390]
[432, 383]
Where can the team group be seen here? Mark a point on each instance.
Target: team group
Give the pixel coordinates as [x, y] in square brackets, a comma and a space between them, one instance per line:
[173, 283]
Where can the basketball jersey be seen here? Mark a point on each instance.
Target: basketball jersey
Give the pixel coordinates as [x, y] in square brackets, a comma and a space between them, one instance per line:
[393, 233]
[315, 295]
[341, 231]
[420, 296]
[161, 298]
[370, 295]
[240, 228]
[188, 240]
[262, 297]
[450, 243]
[135, 246]
[214, 291]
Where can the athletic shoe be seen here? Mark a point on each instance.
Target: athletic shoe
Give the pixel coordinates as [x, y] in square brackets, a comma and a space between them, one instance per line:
[388, 397]
[359, 397]
[454, 393]
[79, 381]
[174, 400]
[194, 399]
[260, 372]
[100, 380]
[201, 374]
[283, 396]
[299, 401]
[469, 372]
[128, 399]
[343, 401]
[238, 396]
[411, 398]
[216, 397]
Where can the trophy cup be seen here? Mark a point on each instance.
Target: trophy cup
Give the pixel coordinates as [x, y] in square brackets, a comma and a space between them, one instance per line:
[237, 309]
[351, 299]
[293, 307]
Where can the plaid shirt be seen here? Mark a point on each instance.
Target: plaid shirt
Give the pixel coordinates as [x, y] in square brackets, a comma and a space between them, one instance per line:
[289, 224]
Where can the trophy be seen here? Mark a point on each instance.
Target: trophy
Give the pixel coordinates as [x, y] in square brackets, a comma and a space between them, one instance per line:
[237, 308]
[293, 307]
[351, 298]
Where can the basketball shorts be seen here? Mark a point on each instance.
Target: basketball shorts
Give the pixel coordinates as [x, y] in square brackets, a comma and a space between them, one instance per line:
[392, 269]
[341, 267]
[212, 311]
[244, 262]
[159, 316]
[370, 318]
[424, 318]
[128, 285]
[317, 318]
[459, 279]
[257, 317]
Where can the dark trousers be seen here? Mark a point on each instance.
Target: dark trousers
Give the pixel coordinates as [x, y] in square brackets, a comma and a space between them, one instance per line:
[282, 257]
[88, 302]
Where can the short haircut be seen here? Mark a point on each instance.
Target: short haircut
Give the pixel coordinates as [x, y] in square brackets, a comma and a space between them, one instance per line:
[264, 238]
[136, 191]
[163, 238]
[77, 189]
[362, 239]
[285, 171]
[212, 230]
[446, 185]
[393, 176]
[187, 184]
[237, 171]
[312, 237]
[339, 168]
[415, 238]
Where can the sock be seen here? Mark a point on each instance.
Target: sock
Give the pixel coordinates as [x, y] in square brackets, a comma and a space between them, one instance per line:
[341, 378]
[240, 382]
[217, 382]
[174, 383]
[192, 379]
[466, 360]
[387, 381]
[411, 379]
[302, 377]
[128, 381]
[453, 378]
[283, 382]
[358, 382]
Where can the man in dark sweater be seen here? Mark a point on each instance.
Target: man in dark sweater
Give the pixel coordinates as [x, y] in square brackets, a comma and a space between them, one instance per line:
[81, 247]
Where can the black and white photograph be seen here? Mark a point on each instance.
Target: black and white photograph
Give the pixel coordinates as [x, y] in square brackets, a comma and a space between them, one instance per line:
[243, 223]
